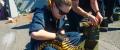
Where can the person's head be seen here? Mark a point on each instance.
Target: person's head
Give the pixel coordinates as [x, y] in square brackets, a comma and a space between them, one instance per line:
[60, 7]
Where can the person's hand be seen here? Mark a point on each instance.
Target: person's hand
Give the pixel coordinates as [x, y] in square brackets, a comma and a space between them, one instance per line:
[62, 31]
[60, 36]
[93, 20]
[99, 17]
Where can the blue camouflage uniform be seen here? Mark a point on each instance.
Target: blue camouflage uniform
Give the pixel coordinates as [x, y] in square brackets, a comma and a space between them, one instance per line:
[43, 19]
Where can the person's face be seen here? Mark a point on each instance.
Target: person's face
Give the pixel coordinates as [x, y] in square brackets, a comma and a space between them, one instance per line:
[59, 11]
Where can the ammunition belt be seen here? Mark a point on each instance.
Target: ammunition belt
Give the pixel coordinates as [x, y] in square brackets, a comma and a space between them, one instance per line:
[65, 45]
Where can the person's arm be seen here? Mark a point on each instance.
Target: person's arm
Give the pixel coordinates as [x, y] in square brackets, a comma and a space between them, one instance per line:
[37, 27]
[94, 5]
[79, 10]
[76, 8]
[43, 35]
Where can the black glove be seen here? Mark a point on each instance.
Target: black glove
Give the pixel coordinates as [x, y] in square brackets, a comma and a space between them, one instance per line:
[60, 37]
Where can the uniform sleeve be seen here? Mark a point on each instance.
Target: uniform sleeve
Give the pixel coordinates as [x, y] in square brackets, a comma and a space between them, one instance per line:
[37, 21]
